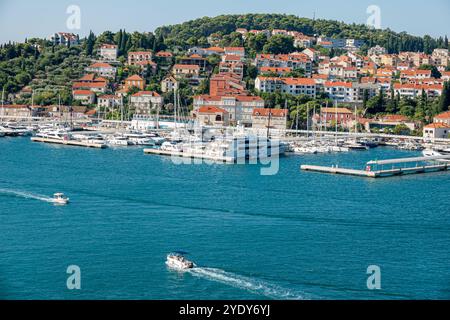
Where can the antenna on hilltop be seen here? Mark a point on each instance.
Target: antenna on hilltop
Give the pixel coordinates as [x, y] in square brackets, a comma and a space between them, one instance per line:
[314, 16]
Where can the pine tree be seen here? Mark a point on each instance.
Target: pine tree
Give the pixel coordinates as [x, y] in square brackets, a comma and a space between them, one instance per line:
[90, 42]
[444, 101]
[123, 42]
[118, 41]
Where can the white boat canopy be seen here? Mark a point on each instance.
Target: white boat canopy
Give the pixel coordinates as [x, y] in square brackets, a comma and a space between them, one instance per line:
[407, 160]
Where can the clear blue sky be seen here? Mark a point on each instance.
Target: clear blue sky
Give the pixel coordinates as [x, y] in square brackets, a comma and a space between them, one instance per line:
[39, 18]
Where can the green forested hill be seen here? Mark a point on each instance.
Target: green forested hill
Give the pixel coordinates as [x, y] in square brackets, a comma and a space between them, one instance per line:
[195, 32]
[39, 63]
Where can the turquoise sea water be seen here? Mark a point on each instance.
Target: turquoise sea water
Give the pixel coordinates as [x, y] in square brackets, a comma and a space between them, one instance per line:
[294, 235]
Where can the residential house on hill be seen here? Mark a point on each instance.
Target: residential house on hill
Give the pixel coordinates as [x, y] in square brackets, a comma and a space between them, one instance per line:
[144, 102]
[269, 118]
[134, 81]
[108, 52]
[211, 116]
[103, 69]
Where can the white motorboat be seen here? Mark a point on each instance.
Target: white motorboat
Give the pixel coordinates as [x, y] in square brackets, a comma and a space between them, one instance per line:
[60, 199]
[172, 146]
[355, 146]
[178, 262]
[436, 153]
[22, 131]
[54, 134]
[8, 131]
[305, 150]
[118, 141]
[156, 138]
[339, 149]
[139, 139]
[410, 146]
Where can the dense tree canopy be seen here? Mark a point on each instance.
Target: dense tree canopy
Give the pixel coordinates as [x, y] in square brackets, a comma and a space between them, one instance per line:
[279, 44]
[226, 24]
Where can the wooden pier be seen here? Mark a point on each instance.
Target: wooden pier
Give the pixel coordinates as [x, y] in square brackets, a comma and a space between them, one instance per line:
[189, 155]
[69, 142]
[377, 169]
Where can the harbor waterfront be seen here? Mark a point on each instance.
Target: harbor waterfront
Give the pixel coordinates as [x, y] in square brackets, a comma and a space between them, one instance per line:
[292, 235]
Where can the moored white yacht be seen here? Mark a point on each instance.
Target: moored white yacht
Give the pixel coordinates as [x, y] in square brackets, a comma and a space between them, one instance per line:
[436, 153]
[172, 146]
[118, 141]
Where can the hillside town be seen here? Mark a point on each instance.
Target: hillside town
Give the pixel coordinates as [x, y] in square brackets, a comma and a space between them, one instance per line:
[341, 86]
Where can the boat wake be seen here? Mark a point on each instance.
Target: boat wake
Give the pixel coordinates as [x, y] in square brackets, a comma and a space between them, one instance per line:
[26, 195]
[250, 284]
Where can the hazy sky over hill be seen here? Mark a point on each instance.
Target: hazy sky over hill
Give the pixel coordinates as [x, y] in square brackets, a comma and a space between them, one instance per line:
[20, 18]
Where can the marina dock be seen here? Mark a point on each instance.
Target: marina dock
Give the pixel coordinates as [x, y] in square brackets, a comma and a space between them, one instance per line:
[377, 169]
[189, 155]
[69, 142]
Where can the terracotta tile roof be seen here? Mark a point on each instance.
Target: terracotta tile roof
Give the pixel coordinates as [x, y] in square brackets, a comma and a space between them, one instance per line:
[211, 109]
[134, 78]
[109, 96]
[138, 53]
[242, 49]
[418, 86]
[338, 84]
[394, 118]
[336, 110]
[164, 54]
[108, 46]
[264, 112]
[437, 126]
[186, 66]
[100, 84]
[215, 49]
[101, 65]
[444, 115]
[275, 69]
[146, 93]
[82, 93]
[291, 81]
[88, 77]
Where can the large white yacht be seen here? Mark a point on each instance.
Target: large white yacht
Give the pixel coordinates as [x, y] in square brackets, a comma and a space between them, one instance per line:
[54, 134]
[437, 152]
[246, 147]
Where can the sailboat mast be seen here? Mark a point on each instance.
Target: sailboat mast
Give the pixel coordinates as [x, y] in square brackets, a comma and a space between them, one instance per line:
[268, 125]
[3, 98]
[336, 123]
[175, 93]
[307, 120]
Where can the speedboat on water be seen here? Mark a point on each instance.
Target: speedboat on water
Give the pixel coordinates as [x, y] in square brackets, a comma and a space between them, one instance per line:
[60, 198]
[178, 262]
